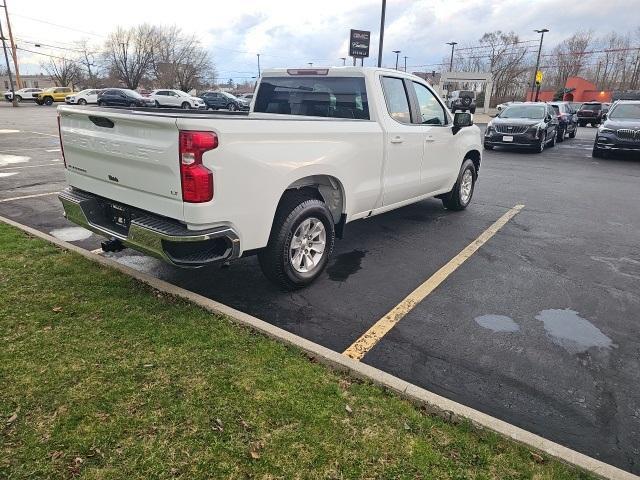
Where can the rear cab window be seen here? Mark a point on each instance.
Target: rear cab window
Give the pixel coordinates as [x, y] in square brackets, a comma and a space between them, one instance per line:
[335, 97]
[396, 98]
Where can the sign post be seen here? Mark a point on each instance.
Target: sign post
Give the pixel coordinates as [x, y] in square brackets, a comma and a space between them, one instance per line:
[359, 41]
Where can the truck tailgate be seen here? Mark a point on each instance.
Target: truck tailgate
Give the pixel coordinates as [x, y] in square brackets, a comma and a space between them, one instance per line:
[124, 156]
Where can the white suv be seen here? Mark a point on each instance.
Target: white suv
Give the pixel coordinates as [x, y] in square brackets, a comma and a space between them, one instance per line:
[176, 98]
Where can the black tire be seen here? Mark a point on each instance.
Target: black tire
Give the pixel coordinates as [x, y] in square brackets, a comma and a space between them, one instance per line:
[539, 148]
[488, 146]
[552, 143]
[473, 110]
[185, 105]
[454, 199]
[101, 103]
[82, 101]
[18, 98]
[48, 101]
[232, 107]
[39, 102]
[275, 261]
[132, 104]
[561, 134]
[572, 134]
[597, 152]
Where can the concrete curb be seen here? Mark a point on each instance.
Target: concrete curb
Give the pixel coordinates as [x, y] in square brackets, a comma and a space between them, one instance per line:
[432, 403]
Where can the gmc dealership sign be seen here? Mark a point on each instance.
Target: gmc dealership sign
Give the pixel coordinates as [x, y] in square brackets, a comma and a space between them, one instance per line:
[359, 43]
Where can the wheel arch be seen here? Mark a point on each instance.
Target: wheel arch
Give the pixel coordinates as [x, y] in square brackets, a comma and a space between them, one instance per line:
[475, 157]
[327, 188]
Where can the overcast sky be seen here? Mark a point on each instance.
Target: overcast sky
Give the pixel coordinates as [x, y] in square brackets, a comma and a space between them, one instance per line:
[293, 33]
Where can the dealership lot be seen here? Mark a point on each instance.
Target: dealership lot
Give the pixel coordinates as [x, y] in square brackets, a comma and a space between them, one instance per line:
[538, 327]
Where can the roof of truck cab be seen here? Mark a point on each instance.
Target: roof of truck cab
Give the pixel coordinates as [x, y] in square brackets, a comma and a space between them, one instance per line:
[333, 72]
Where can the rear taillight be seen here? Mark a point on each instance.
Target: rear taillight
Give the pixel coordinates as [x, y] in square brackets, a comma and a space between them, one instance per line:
[64, 160]
[197, 180]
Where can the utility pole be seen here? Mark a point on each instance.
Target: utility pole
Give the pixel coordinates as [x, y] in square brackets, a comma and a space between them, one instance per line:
[14, 101]
[14, 52]
[397, 52]
[535, 72]
[344, 61]
[258, 64]
[405, 63]
[453, 47]
[382, 14]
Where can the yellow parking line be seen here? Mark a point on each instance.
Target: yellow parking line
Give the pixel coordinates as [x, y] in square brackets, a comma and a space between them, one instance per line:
[27, 196]
[371, 337]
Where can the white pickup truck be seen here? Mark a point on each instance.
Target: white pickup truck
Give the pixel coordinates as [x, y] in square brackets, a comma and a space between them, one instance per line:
[318, 149]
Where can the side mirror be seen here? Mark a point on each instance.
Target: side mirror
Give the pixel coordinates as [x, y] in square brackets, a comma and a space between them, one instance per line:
[462, 119]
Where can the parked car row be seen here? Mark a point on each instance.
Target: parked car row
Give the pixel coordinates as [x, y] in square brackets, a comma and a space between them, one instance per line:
[531, 125]
[131, 98]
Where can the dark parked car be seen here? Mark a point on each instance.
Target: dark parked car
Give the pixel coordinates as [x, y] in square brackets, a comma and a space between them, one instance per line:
[218, 100]
[567, 119]
[523, 125]
[620, 130]
[122, 97]
[591, 113]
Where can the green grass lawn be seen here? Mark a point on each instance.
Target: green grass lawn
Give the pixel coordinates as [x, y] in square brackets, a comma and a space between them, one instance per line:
[103, 378]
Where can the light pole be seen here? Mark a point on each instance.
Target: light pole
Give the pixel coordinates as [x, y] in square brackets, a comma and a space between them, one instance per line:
[14, 100]
[397, 52]
[344, 61]
[405, 63]
[258, 55]
[14, 52]
[453, 47]
[533, 83]
[382, 14]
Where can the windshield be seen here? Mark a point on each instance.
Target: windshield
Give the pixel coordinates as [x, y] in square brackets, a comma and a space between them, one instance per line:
[465, 93]
[181, 93]
[535, 112]
[630, 111]
[132, 93]
[228, 95]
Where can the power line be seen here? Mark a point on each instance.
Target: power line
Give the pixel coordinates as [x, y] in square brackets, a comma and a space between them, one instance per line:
[57, 25]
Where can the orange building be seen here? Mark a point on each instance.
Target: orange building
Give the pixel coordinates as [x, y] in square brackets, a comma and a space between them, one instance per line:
[578, 90]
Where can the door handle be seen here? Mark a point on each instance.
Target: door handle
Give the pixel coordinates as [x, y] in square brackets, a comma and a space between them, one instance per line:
[429, 139]
[397, 139]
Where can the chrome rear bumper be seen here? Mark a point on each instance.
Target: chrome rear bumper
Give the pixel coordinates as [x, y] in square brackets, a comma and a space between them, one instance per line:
[158, 236]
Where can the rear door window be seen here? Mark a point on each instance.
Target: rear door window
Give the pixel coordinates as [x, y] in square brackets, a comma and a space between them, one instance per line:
[337, 97]
[395, 96]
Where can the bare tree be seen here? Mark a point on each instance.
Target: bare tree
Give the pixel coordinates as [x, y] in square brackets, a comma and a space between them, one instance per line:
[180, 61]
[568, 58]
[88, 64]
[63, 70]
[129, 53]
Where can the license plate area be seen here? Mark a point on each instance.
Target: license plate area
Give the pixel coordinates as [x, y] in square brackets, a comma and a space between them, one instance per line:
[507, 138]
[118, 216]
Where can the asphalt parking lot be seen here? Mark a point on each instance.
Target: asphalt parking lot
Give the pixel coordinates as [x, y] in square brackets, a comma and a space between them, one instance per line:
[540, 327]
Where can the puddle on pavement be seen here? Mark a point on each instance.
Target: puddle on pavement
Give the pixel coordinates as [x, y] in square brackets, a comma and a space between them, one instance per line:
[497, 323]
[7, 174]
[572, 332]
[6, 159]
[71, 234]
[345, 265]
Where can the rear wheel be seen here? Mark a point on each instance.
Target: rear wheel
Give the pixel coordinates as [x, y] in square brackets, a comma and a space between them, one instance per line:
[300, 243]
[460, 196]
